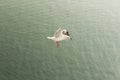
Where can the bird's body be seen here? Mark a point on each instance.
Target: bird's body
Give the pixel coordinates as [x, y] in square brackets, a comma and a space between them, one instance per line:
[60, 34]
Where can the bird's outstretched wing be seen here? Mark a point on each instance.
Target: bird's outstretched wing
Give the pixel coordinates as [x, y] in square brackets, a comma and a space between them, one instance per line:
[58, 32]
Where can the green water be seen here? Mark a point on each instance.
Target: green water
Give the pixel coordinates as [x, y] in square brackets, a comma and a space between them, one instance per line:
[26, 54]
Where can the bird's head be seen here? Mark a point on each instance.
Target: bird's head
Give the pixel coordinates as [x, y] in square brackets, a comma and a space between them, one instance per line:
[66, 33]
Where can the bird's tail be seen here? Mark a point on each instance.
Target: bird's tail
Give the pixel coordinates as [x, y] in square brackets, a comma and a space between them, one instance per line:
[50, 38]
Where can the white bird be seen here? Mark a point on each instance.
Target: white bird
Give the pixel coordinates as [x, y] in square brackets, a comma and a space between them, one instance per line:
[59, 35]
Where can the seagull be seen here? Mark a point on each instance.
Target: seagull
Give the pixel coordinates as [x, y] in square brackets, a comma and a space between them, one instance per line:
[60, 35]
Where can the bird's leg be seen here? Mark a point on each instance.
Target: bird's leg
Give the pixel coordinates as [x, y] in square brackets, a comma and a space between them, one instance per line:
[57, 43]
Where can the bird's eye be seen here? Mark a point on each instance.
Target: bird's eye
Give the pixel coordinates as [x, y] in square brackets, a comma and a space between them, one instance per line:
[63, 32]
